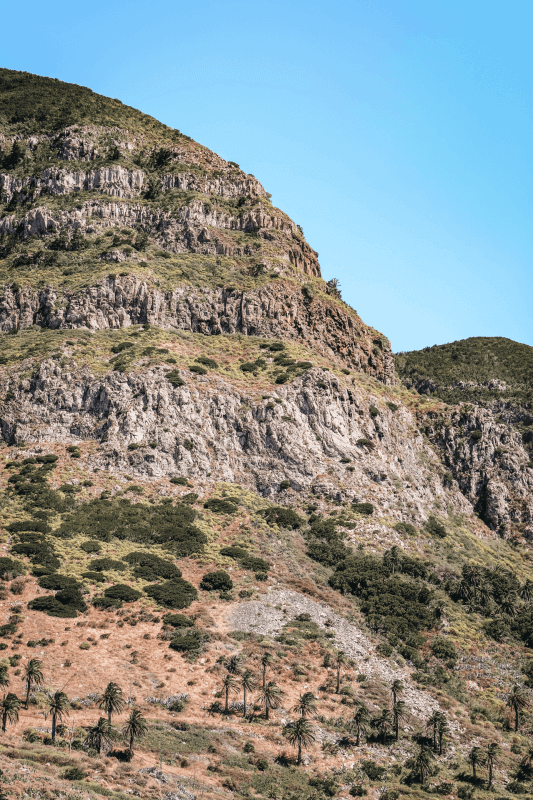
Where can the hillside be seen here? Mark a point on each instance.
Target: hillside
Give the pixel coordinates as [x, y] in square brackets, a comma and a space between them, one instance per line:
[242, 556]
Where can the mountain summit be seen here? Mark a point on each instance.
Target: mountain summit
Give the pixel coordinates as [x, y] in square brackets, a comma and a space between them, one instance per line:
[222, 504]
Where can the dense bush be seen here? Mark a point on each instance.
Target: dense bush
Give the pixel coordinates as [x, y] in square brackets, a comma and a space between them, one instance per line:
[179, 480]
[55, 581]
[405, 527]
[94, 577]
[106, 602]
[246, 560]
[165, 524]
[392, 603]
[175, 378]
[186, 642]
[207, 362]
[435, 528]
[90, 546]
[107, 564]
[283, 517]
[74, 774]
[363, 508]
[177, 593]
[476, 435]
[197, 369]
[178, 621]
[444, 648]
[219, 580]
[10, 567]
[52, 607]
[149, 567]
[121, 591]
[220, 506]
[234, 551]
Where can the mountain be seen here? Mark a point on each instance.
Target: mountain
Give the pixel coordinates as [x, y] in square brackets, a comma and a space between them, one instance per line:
[220, 488]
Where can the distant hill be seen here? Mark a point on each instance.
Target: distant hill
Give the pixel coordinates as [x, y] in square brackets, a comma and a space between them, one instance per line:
[479, 361]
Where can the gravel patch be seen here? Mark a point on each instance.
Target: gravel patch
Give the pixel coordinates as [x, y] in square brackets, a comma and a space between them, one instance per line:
[262, 617]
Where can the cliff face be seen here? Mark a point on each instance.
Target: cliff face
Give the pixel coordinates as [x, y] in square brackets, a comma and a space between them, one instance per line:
[305, 433]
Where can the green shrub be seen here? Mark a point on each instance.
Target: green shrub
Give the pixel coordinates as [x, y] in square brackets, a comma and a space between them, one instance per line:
[435, 528]
[220, 506]
[363, 508]
[55, 581]
[176, 593]
[85, 646]
[197, 369]
[357, 790]
[179, 481]
[106, 602]
[120, 591]
[187, 642]
[368, 443]
[178, 620]
[405, 527]
[90, 546]
[248, 366]
[74, 774]
[71, 596]
[149, 566]
[283, 517]
[106, 565]
[10, 567]
[285, 485]
[175, 378]
[393, 407]
[373, 771]
[276, 347]
[374, 411]
[476, 435]
[219, 580]
[234, 551]
[444, 648]
[207, 362]
[52, 607]
[93, 577]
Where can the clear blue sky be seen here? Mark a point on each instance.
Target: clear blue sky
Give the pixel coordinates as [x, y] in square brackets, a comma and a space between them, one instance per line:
[396, 132]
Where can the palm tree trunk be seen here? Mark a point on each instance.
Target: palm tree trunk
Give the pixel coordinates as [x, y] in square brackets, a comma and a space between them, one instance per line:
[226, 707]
[338, 679]
[440, 744]
[264, 676]
[474, 771]
[244, 702]
[109, 717]
[267, 711]
[299, 754]
[131, 743]
[397, 728]
[434, 736]
[4, 720]
[516, 719]
[490, 775]
[28, 689]
[53, 727]
[358, 736]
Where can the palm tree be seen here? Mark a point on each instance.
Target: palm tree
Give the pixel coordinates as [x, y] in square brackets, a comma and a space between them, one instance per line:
[10, 709]
[383, 723]
[306, 705]
[233, 664]
[248, 684]
[526, 591]
[442, 730]
[100, 734]
[361, 721]
[271, 696]
[340, 659]
[112, 701]
[57, 705]
[517, 701]
[475, 757]
[509, 604]
[393, 558]
[422, 762]
[300, 733]
[396, 689]
[135, 727]
[4, 677]
[493, 751]
[432, 724]
[399, 713]
[230, 684]
[266, 661]
[33, 677]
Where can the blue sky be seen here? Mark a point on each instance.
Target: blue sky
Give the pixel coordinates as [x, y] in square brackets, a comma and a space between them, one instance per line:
[396, 133]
